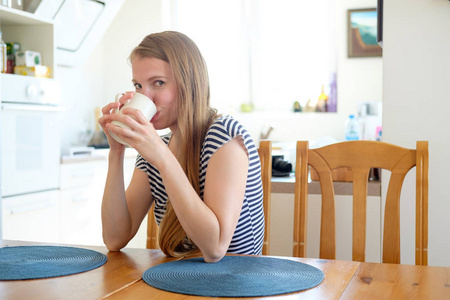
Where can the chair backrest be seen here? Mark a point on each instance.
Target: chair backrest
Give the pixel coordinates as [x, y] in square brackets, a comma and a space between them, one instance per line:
[361, 156]
[265, 156]
[152, 230]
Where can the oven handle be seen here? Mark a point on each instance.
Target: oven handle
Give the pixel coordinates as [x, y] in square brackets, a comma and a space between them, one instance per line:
[10, 106]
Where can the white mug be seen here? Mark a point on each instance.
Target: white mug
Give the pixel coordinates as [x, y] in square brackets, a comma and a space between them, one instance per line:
[140, 102]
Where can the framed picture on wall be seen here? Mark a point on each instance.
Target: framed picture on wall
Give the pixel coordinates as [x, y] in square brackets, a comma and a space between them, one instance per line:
[380, 23]
[362, 33]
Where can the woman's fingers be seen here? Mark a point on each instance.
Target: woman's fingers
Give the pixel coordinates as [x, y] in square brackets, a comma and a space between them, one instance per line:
[125, 98]
[136, 115]
[107, 109]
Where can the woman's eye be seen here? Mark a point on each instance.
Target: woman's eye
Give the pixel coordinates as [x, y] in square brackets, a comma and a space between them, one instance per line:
[159, 83]
[137, 86]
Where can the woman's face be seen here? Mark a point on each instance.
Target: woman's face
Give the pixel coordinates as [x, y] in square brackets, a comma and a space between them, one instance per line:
[154, 78]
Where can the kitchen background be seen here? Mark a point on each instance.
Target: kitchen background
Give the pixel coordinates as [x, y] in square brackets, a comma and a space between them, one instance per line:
[107, 71]
[409, 80]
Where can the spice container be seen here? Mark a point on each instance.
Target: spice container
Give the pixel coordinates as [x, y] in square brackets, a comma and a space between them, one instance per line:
[3, 55]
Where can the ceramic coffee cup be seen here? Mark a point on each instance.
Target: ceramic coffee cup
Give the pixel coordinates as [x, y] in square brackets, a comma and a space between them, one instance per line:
[140, 102]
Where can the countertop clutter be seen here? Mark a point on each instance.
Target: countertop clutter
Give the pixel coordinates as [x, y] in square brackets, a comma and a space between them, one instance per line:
[22, 62]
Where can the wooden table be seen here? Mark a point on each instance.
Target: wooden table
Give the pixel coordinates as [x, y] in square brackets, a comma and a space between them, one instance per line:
[121, 278]
[122, 269]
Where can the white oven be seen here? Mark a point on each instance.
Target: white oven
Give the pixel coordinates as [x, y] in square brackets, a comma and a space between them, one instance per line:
[31, 137]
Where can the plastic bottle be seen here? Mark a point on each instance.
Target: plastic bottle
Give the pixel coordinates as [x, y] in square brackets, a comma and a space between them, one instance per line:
[351, 129]
[322, 101]
[3, 57]
[378, 133]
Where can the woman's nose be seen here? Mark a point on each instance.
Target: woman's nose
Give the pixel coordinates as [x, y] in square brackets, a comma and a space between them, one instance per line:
[149, 93]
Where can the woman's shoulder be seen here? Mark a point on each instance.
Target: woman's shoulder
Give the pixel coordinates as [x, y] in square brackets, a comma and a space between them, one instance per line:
[226, 125]
[223, 119]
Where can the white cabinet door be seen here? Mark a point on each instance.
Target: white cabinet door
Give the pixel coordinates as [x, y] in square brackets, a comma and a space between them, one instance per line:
[81, 217]
[33, 217]
[82, 185]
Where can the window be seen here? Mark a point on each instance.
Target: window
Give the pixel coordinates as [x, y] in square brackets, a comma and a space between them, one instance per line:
[264, 53]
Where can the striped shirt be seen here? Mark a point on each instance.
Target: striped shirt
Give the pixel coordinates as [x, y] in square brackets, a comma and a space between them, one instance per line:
[249, 234]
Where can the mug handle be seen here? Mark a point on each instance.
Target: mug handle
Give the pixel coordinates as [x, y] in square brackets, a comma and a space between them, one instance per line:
[116, 99]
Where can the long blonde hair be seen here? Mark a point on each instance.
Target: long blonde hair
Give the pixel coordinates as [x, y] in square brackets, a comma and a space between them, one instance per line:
[194, 116]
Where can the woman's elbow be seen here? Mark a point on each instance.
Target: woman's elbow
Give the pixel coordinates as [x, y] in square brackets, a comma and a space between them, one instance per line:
[212, 259]
[215, 255]
[113, 249]
[114, 245]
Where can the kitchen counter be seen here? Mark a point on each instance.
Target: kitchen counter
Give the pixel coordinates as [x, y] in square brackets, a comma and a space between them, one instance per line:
[89, 154]
[285, 185]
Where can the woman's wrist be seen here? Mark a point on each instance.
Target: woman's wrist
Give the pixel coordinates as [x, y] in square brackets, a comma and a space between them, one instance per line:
[116, 154]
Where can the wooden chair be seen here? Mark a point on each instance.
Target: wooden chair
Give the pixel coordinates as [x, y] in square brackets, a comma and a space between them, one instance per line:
[360, 156]
[152, 230]
[265, 156]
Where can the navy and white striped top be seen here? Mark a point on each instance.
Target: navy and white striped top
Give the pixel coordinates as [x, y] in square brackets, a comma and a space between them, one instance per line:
[249, 234]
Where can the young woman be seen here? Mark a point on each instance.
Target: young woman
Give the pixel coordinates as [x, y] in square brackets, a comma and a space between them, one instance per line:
[204, 176]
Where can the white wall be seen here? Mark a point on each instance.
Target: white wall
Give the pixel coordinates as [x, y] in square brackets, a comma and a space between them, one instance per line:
[107, 71]
[358, 80]
[416, 103]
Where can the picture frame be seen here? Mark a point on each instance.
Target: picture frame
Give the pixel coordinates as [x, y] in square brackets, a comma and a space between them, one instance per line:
[380, 23]
[362, 33]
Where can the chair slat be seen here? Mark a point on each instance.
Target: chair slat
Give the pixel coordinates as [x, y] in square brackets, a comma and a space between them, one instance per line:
[265, 156]
[300, 203]
[152, 230]
[360, 177]
[422, 203]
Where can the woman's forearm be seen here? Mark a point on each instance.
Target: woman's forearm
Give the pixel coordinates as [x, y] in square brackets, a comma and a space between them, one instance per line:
[198, 220]
[116, 219]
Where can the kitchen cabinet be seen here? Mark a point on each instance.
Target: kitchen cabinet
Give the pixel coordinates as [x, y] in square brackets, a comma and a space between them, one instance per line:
[31, 32]
[81, 193]
[72, 214]
[82, 185]
[34, 217]
[21, 213]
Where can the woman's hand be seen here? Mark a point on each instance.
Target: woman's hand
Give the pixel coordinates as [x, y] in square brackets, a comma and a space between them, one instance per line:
[107, 117]
[141, 135]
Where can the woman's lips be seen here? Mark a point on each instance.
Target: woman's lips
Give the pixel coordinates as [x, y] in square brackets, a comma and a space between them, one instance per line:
[155, 117]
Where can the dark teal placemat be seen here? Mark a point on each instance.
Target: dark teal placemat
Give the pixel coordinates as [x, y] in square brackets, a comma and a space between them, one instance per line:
[34, 262]
[234, 276]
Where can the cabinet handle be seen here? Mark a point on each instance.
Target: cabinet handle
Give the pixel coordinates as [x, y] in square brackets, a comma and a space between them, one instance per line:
[30, 208]
[31, 107]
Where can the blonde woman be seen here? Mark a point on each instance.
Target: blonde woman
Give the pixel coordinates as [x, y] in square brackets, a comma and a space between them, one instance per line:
[204, 176]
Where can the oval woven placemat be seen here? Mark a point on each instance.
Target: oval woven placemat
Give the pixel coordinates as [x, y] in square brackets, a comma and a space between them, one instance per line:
[34, 262]
[234, 276]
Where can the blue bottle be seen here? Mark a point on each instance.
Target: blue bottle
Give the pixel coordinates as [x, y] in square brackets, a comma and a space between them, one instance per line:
[351, 129]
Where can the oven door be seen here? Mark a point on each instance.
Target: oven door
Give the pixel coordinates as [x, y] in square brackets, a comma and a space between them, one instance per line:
[31, 148]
